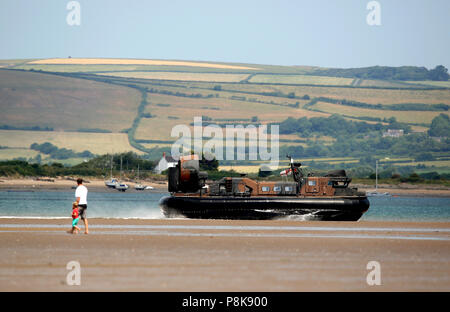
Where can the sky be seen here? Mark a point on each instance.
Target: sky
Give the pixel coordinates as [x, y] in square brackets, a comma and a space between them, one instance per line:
[317, 33]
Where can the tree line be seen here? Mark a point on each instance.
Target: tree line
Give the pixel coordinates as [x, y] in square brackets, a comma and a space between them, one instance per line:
[334, 126]
[439, 73]
[59, 153]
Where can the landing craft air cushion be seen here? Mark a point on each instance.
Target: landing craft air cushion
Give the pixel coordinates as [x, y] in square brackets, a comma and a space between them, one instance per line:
[310, 197]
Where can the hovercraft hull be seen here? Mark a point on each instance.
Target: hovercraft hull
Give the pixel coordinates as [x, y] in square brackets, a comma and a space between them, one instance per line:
[263, 208]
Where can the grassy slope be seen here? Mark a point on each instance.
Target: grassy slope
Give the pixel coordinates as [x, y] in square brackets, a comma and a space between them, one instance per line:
[191, 80]
[29, 99]
[97, 143]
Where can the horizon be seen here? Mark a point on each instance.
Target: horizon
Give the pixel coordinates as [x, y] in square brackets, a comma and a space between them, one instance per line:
[216, 62]
[284, 33]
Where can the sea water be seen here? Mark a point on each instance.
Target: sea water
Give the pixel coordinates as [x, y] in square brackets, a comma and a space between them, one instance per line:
[144, 205]
[58, 204]
[408, 208]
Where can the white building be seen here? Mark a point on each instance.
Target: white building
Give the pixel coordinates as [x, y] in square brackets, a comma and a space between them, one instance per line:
[393, 133]
[164, 163]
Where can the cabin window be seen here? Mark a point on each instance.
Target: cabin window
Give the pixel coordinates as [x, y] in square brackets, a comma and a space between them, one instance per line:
[311, 182]
[265, 188]
[277, 188]
[288, 188]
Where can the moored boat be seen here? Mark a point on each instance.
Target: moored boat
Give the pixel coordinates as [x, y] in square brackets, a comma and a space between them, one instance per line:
[376, 193]
[111, 183]
[139, 187]
[121, 187]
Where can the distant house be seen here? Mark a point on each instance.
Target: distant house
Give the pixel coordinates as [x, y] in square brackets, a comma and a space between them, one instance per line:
[393, 133]
[437, 139]
[165, 162]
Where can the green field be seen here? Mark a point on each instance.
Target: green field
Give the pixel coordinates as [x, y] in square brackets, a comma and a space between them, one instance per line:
[301, 79]
[437, 163]
[389, 84]
[401, 116]
[30, 99]
[24, 153]
[180, 76]
[365, 95]
[72, 65]
[109, 95]
[185, 109]
[445, 84]
[12, 153]
[97, 143]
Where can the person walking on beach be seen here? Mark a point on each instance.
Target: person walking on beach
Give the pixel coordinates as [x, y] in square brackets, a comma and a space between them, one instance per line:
[81, 198]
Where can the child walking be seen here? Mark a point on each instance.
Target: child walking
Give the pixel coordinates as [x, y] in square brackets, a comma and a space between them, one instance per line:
[75, 218]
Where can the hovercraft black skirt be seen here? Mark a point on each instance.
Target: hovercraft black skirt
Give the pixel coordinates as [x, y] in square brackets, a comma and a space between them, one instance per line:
[263, 208]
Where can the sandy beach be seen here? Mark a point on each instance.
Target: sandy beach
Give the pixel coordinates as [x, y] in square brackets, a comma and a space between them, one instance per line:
[58, 184]
[213, 255]
[408, 189]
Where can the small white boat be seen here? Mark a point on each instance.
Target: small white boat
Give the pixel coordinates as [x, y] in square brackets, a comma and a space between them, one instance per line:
[376, 193]
[121, 187]
[111, 183]
[139, 187]
[148, 187]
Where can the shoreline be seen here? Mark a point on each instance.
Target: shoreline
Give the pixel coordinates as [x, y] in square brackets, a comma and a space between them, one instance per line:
[97, 185]
[279, 222]
[61, 184]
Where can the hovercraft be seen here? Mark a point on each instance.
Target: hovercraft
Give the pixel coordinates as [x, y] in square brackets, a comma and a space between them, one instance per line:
[327, 197]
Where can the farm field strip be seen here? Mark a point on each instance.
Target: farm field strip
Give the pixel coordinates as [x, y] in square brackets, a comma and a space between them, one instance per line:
[185, 109]
[189, 89]
[370, 96]
[78, 68]
[387, 84]
[11, 153]
[445, 84]
[255, 168]
[97, 143]
[65, 103]
[436, 163]
[401, 116]
[112, 61]
[300, 79]
[180, 76]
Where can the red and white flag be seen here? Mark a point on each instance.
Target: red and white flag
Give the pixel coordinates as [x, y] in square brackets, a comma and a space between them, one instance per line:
[286, 172]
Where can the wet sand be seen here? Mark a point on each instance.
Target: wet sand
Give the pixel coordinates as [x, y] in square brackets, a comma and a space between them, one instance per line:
[214, 255]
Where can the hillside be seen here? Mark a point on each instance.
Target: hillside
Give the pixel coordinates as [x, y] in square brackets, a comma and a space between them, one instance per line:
[30, 99]
[149, 97]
